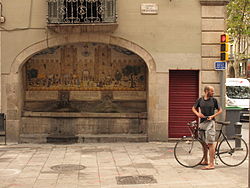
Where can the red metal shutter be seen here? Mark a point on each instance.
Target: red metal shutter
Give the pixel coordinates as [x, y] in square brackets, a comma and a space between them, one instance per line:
[183, 92]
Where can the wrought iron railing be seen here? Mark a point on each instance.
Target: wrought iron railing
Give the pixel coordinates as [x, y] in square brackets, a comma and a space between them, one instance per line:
[81, 11]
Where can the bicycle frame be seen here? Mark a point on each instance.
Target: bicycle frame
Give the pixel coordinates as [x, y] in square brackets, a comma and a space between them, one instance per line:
[218, 140]
[225, 148]
[221, 134]
[194, 131]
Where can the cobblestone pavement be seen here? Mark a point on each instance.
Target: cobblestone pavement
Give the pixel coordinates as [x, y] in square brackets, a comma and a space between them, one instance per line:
[101, 165]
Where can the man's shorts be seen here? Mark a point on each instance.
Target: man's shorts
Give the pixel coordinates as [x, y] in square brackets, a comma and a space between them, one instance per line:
[207, 132]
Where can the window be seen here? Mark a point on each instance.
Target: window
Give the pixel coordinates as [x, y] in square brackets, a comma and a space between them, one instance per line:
[242, 69]
[81, 11]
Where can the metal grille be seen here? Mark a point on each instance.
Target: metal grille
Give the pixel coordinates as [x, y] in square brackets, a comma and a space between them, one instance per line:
[129, 180]
[81, 11]
[182, 83]
[67, 167]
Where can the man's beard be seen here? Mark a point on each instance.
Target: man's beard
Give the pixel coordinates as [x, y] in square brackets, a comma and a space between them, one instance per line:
[210, 95]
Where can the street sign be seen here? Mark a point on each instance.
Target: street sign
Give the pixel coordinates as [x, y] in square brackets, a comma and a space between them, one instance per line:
[220, 65]
[149, 8]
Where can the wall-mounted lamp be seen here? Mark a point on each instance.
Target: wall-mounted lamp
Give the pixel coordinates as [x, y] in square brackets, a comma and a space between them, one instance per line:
[2, 18]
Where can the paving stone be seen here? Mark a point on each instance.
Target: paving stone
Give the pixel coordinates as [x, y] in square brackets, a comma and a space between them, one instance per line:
[104, 162]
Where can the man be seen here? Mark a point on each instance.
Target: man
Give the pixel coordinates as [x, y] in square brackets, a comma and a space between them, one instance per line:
[205, 108]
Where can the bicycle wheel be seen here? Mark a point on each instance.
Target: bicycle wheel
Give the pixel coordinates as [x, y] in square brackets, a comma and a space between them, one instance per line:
[233, 152]
[189, 152]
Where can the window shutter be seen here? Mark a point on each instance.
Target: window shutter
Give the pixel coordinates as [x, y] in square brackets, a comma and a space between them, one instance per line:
[109, 11]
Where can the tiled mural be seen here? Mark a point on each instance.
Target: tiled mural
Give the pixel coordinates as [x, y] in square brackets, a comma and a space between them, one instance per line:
[86, 77]
[85, 67]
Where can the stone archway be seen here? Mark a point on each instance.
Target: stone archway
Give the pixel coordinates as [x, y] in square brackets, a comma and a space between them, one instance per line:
[14, 86]
[106, 39]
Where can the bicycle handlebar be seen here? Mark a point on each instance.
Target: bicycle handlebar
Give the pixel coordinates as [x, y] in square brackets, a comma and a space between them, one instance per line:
[223, 122]
[218, 122]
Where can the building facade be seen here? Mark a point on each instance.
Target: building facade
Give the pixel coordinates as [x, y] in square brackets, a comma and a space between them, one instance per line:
[239, 68]
[98, 70]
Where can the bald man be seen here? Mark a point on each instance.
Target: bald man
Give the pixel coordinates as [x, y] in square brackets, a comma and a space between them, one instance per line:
[205, 108]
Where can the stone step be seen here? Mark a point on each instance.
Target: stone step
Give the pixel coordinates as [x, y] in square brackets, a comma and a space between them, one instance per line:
[33, 138]
[62, 139]
[82, 138]
[105, 138]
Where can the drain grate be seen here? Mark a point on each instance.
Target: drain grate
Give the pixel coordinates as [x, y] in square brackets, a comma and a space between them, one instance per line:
[67, 167]
[128, 180]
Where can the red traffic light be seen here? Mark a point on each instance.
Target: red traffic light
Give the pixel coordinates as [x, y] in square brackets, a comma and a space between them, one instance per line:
[224, 38]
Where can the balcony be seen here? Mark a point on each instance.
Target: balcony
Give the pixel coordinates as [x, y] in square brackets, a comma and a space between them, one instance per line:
[67, 16]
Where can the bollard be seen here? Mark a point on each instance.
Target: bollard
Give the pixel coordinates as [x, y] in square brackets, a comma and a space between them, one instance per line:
[238, 127]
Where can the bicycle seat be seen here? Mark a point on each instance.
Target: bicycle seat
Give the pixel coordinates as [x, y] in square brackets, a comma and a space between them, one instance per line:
[223, 122]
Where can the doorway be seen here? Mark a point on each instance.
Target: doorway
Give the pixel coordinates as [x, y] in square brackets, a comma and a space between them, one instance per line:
[183, 92]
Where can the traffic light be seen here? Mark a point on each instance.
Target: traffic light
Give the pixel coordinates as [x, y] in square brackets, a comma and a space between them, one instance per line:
[224, 47]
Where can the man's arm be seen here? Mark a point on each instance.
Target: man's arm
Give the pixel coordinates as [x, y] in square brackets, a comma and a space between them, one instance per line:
[200, 115]
[216, 114]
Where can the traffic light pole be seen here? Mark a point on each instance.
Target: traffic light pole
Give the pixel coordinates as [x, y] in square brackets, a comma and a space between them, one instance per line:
[222, 93]
[224, 39]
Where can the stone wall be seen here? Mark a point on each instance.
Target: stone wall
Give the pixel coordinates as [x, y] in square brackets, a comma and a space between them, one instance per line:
[213, 14]
[160, 40]
[36, 127]
[213, 25]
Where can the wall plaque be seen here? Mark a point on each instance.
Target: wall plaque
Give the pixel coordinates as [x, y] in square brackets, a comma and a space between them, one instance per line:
[149, 8]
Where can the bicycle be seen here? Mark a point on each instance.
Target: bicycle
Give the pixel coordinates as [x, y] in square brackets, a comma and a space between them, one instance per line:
[189, 151]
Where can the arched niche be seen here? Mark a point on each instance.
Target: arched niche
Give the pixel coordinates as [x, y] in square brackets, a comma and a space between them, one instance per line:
[41, 124]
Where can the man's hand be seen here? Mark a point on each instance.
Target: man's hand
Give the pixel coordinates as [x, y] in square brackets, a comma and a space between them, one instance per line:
[209, 117]
[200, 115]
